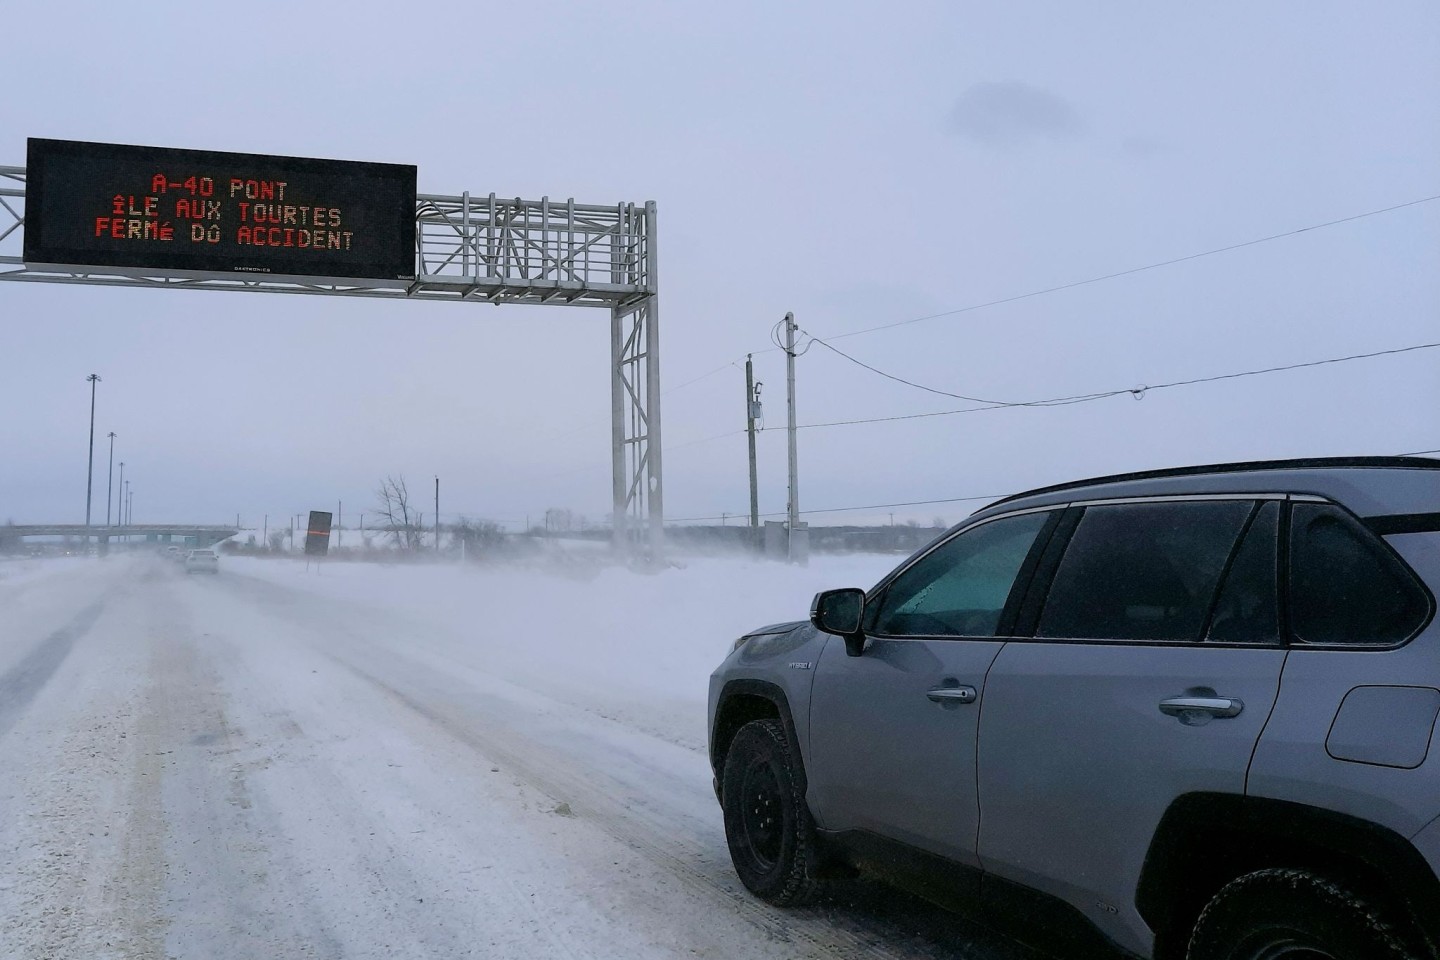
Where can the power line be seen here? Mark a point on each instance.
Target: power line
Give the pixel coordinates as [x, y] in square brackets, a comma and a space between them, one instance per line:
[871, 506]
[590, 424]
[1138, 392]
[704, 376]
[718, 436]
[595, 466]
[1064, 286]
[1063, 401]
[960, 396]
[915, 503]
[1141, 269]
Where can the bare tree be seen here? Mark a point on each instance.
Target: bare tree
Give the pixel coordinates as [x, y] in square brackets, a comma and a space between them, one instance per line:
[478, 537]
[394, 508]
[558, 520]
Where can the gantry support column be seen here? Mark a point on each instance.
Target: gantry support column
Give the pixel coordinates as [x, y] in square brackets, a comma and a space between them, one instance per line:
[635, 429]
[637, 484]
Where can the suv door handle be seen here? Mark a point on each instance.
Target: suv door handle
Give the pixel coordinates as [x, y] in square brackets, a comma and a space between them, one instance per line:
[1215, 706]
[952, 694]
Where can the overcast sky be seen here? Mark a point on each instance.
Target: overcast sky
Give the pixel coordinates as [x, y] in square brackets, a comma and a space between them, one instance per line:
[858, 164]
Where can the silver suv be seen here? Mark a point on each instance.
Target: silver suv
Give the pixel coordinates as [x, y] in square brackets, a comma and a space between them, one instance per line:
[1175, 714]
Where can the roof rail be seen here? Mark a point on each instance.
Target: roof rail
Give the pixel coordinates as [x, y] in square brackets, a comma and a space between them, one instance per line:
[1246, 466]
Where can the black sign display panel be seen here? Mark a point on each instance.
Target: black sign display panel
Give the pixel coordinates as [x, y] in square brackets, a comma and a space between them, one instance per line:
[317, 535]
[159, 211]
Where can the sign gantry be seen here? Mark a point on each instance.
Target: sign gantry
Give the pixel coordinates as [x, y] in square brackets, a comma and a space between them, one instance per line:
[119, 215]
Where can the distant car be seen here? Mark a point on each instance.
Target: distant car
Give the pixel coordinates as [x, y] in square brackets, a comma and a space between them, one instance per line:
[205, 561]
[173, 552]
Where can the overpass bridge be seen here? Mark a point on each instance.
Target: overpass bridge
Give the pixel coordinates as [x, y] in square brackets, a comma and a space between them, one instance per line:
[200, 535]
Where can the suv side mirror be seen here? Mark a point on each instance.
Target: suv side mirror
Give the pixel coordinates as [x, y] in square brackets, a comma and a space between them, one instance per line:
[840, 612]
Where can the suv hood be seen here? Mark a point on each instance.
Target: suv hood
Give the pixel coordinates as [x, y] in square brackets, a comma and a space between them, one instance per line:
[775, 628]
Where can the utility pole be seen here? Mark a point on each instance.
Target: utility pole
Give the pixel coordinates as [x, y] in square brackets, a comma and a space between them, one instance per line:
[752, 413]
[110, 480]
[437, 513]
[794, 510]
[120, 506]
[130, 506]
[90, 464]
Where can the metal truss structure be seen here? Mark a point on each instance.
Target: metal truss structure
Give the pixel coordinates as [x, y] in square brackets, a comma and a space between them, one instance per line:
[486, 249]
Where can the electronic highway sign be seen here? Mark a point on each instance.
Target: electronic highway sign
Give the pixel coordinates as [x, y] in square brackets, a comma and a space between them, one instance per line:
[158, 211]
[317, 534]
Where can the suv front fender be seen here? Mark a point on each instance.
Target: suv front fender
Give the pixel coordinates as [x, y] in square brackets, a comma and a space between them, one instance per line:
[739, 702]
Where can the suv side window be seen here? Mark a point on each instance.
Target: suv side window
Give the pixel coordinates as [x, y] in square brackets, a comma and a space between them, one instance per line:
[1143, 571]
[1247, 609]
[1345, 586]
[961, 587]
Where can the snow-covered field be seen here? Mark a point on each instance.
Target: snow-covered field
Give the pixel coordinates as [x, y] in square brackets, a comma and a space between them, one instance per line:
[17, 570]
[371, 762]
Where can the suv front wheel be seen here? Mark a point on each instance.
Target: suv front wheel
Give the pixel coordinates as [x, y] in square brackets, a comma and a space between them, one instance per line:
[767, 824]
[1291, 915]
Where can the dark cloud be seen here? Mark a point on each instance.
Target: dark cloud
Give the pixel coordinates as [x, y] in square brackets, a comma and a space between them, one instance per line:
[1011, 113]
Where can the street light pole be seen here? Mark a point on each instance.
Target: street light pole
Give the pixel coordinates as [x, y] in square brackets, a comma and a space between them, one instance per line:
[110, 480]
[90, 462]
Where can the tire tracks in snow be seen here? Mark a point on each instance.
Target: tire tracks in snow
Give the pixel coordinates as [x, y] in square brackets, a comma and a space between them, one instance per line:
[75, 861]
[487, 723]
[22, 682]
[228, 882]
[610, 810]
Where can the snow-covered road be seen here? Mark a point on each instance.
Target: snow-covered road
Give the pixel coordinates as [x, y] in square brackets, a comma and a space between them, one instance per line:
[392, 762]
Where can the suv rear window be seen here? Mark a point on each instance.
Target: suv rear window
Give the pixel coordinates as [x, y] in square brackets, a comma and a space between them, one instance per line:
[1143, 571]
[1346, 587]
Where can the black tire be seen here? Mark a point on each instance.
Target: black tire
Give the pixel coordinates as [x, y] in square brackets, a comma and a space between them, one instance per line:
[1292, 915]
[767, 824]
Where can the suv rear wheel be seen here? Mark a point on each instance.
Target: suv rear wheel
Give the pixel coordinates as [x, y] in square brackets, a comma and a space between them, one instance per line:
[767, 824]
[1291, 915]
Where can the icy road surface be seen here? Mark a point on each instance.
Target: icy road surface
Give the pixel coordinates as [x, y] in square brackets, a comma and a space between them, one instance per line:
[390, 762]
